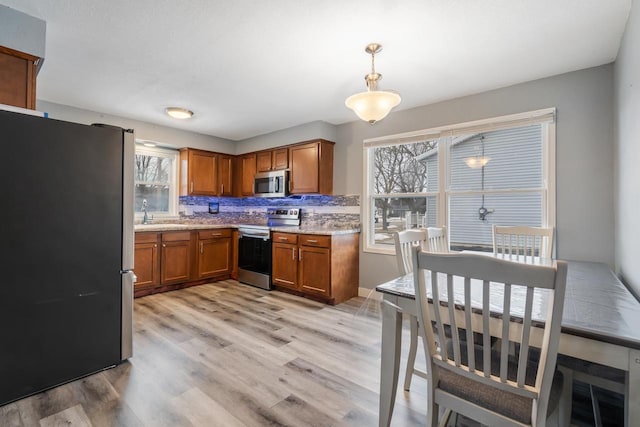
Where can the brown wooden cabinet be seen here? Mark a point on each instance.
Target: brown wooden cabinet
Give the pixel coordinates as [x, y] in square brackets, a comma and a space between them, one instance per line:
[272, 160]
[247, 165]
[214, 253]
[175, 257]
[316, 266]
[146, 260]
[17, 78]
[205, 173]
[311, 168]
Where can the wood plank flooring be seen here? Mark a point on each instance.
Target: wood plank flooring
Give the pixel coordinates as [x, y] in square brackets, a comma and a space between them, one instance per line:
[228, 354]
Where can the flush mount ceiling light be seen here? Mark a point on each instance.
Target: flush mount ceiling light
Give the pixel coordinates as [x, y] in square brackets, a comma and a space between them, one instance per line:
[373, 105]
[179, 113]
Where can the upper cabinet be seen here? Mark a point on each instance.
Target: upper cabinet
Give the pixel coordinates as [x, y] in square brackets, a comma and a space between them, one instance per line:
[204, 173]
[272, 160]
[17, 78]
[246, 173]
[311, 168]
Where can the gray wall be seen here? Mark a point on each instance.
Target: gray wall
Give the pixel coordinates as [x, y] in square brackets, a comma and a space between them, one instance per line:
[166, 136]
[305, 132]
[584, 180]
[627, 154]
[22, 32]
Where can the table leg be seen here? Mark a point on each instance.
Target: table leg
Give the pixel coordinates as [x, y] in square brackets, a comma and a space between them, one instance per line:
[390, 360]
[632, 396]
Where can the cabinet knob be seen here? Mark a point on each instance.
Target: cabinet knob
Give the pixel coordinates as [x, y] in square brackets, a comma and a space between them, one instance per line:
[164, 245]
[155, 246]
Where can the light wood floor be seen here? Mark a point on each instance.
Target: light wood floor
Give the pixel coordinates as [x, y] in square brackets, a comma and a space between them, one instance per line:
[227, 354]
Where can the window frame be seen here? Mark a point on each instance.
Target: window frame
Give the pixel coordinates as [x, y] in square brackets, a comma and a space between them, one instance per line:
[544, 117]
[168, 153]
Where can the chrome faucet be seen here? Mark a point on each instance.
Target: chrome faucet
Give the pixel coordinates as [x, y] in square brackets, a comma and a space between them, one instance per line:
[145, 219]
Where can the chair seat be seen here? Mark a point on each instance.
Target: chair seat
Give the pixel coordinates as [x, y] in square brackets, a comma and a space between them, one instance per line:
[516, 407]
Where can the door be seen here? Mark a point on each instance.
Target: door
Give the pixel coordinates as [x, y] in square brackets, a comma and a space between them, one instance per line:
[285, 265]
[214, 257]
[225, 174]
[147, 265]
[61, 291]
[315, 270]
[264, 161]
[248, 174]
[174, 264]
[202, 173]
[304, 169]
[280, 158]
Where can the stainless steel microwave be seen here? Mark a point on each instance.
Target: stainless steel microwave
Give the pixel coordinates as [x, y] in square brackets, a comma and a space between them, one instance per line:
[271, 184]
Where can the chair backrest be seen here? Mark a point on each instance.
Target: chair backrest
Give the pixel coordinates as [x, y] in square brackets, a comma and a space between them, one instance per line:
[405, 241]
[523, 240]
[437, 240]
[461, 284]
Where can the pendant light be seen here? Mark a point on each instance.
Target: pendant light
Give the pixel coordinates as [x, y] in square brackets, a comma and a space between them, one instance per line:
[373, 105]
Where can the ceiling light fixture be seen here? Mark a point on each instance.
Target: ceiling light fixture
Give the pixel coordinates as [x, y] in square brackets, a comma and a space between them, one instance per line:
[179, 113]
[477, 162]
[149, 144]
[373, 105]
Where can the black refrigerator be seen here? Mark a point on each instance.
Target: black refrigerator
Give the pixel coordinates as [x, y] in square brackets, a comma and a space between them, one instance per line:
[66, 279]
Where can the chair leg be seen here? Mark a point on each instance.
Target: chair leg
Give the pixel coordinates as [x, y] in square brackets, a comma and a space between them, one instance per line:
[413, 348]
[596, 407]
[566, 398]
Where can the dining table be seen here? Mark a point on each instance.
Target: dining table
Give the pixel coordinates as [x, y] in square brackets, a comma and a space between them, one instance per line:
[600, 324]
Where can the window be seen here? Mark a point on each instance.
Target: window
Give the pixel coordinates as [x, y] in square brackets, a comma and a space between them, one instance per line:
[156, 181]
[467, 177]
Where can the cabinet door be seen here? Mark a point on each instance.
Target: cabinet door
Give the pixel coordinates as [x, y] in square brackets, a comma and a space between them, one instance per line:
[214, 257]
[203, 173]
[304, 169]
[264, 161]
[225, 175]
[17, 78]
[146, 264]
[174, 263]
[280, 159]
[248, 174]
[284, 267]
[315, 270]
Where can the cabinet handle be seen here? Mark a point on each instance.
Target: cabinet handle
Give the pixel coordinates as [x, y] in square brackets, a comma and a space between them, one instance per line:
[300, 254]
[293, 254]
[221, 188]
[312, 241]
[283, 238]
[289, 186]
[201, 247]
[164, 245]
[155, 246]
[216, 234]
[191, 186]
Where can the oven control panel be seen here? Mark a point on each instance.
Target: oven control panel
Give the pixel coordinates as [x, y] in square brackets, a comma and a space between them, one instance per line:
[283, 216]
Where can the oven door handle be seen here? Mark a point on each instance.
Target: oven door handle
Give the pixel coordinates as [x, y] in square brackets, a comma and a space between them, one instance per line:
[255, 236]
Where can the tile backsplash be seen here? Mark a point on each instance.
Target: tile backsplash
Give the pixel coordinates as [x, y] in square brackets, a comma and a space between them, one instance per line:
[316, 210]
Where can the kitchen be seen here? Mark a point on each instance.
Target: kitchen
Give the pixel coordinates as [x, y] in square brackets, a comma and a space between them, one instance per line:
[595, 175]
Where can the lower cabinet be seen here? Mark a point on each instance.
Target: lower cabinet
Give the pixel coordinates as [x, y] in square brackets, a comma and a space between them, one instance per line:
[316, 266]
[174, 259]
[214, 253]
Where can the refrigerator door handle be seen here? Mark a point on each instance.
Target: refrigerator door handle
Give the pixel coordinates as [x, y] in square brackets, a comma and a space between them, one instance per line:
[126, 345]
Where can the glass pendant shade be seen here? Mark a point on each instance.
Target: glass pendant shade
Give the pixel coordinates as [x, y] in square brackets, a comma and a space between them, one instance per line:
[477, 162]
[372, 106]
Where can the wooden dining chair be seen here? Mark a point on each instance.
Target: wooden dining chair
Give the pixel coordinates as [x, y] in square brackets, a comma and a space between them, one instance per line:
[436, 241]
[485, 385]
[523, 240]
[405, 241]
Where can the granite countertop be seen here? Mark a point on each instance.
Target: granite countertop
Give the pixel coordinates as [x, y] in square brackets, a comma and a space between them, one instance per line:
[328, 231]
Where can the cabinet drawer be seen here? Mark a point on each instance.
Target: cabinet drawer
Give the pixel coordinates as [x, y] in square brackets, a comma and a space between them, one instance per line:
[315, 240]
[176, 236]
[214, 234]
[146, 237]
[285, 238]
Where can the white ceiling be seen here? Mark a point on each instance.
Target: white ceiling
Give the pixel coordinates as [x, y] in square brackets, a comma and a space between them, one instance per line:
[249, 67]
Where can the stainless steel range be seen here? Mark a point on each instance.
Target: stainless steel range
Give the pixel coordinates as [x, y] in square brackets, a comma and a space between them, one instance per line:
[254, 248]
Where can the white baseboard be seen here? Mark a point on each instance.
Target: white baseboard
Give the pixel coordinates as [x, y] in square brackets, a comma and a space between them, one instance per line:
[369, 293]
